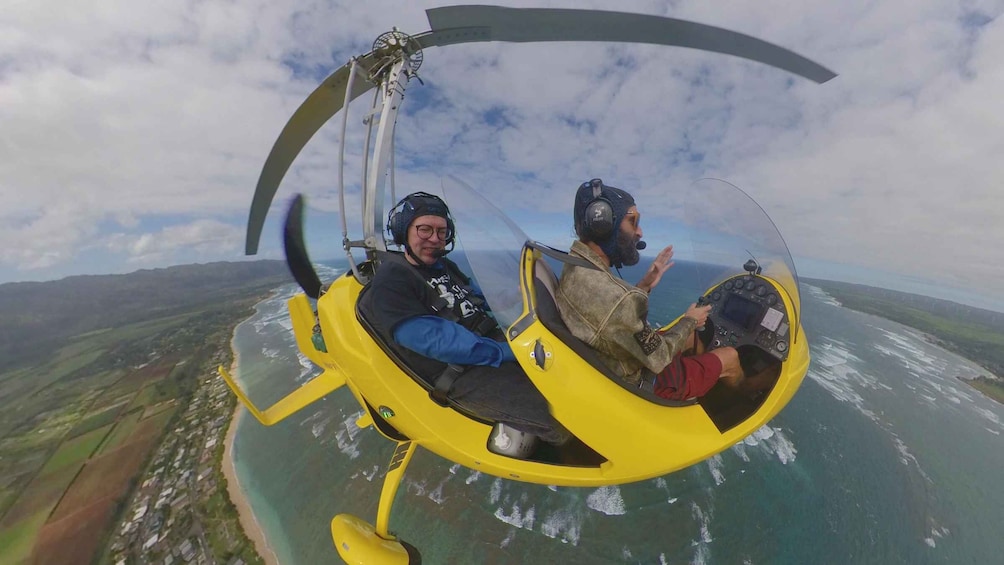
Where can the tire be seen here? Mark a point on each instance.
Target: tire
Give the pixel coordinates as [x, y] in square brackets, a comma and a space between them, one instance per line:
[414, 557]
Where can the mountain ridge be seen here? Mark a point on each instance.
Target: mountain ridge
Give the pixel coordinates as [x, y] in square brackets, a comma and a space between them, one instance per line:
[38, 315]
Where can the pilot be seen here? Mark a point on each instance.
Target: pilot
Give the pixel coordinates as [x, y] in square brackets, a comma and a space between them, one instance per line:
[431, 309]
[610, 315]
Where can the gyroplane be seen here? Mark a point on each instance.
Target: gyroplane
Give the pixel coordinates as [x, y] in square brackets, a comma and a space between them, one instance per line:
[620, 434]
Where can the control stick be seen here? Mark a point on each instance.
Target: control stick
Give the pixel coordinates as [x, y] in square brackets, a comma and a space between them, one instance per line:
[702, 301]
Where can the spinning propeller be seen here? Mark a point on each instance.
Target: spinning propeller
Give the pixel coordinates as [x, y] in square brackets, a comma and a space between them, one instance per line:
[296, 251]
[469, 24]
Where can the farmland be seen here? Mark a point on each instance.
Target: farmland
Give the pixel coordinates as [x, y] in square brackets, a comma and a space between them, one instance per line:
[90, 385]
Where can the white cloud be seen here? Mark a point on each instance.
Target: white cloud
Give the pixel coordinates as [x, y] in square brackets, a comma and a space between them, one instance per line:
[46, 239]
[206, 238]
[117, 116]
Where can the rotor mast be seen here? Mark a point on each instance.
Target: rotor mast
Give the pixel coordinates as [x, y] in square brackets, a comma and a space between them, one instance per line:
[401, 56]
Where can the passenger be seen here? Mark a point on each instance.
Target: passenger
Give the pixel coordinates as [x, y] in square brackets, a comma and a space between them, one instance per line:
[429, 308]
[610, 315]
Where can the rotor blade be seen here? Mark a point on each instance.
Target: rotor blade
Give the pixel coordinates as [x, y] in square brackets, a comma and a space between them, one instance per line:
[318, 108]
[296, 252]
[467, 24]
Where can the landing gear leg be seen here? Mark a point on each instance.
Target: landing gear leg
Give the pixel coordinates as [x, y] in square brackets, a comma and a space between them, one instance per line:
[358, 542]
[395, 472]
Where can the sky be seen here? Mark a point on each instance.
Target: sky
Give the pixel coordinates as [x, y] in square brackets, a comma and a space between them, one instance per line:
[132, 134]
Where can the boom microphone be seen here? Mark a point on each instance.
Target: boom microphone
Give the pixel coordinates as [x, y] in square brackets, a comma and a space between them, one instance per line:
[440, 253]
[640, 245]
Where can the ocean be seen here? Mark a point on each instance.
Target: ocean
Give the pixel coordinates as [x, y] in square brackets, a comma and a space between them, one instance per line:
[883, 456]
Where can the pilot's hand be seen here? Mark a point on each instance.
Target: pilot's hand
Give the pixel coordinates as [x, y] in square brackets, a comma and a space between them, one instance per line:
[659, 266]
[698, 313]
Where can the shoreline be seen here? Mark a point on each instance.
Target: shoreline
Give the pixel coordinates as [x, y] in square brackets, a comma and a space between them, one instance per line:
[942, 330]
[252, 529]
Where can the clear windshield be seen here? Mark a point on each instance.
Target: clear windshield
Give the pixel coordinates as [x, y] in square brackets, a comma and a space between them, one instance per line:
[490, 245]
[725, 229]
[714, 226]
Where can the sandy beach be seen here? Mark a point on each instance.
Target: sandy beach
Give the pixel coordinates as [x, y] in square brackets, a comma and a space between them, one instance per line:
[247, 519]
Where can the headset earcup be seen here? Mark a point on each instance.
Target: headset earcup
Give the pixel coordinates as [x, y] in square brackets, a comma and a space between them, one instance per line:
[401, 226]
[394, 224]
[452, 229]
[598, 219]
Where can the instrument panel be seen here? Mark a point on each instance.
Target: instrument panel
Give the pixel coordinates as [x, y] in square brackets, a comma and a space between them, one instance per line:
[747, 310]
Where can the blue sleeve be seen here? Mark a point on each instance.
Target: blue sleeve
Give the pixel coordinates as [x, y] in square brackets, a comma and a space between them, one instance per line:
[450, 342]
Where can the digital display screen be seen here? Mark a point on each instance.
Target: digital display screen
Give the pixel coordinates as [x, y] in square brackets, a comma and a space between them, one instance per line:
[745, 313]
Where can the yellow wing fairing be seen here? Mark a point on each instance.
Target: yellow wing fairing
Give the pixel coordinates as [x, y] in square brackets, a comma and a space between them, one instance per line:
[331, 379]
[311, 391]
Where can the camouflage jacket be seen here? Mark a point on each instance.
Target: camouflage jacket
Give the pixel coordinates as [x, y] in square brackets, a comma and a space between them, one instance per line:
[611, 316]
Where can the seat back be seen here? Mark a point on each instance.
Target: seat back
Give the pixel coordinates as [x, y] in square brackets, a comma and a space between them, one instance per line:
[545, 290]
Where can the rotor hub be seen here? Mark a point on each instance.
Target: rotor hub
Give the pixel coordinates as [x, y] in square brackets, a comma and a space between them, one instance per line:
[397, 44]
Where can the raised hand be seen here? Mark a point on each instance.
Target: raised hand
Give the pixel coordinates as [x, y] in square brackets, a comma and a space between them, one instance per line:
[661, 264]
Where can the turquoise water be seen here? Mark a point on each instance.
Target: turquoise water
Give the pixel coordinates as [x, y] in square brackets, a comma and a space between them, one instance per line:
[881, 457]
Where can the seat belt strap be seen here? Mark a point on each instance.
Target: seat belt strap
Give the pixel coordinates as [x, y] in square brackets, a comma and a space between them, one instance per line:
[444, 383]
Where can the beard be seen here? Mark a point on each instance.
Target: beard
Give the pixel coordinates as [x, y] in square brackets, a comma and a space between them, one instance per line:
[626, 248]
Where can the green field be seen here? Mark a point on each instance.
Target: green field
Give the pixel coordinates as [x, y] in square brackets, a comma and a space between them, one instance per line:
[154, 423]
[76, 450]
[24, 520]
[156, 409]
[64, 365]
[993, 388]
[96, 420]
[84, 361]
[41, 399]
[17, 541]
[131, 332]
[154, 392]
[123, 429]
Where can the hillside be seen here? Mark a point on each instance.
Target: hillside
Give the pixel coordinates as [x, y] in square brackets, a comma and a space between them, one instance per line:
[38, 316]
[973, 333]
[97, 375]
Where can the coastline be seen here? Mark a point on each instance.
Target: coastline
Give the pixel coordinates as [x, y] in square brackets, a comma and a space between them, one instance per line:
[247, 519]
[972, 333]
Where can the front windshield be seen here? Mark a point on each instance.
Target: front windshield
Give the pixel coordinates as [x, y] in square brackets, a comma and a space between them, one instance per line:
[491, 243]
[726, 228]
[715, 230]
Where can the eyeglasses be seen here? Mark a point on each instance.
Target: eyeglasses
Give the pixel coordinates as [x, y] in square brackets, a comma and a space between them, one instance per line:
[425, 231]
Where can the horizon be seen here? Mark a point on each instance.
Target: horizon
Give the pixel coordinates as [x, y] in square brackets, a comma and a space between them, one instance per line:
[920, 288]
[134, 136]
